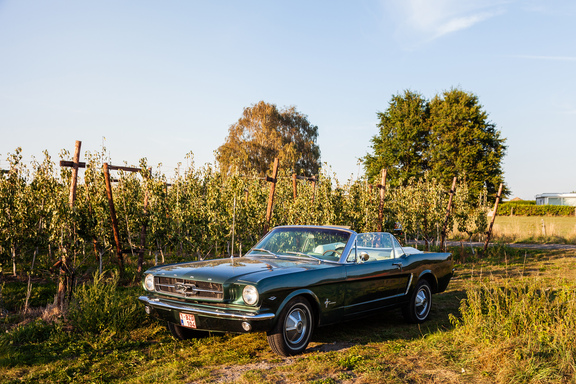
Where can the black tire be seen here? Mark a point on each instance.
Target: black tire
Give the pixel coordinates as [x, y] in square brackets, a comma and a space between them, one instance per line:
[418, 308]
[294, 328]
[182, 333]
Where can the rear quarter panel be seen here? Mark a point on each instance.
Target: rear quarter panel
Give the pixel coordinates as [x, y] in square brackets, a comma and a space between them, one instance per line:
[437, 266]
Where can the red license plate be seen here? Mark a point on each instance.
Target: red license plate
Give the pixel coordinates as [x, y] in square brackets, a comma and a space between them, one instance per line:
[187, 320]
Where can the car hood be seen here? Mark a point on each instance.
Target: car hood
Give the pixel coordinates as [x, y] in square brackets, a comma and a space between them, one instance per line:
[225, 270]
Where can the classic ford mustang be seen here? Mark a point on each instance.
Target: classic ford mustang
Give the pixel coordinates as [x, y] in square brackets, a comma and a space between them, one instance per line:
[295, 279]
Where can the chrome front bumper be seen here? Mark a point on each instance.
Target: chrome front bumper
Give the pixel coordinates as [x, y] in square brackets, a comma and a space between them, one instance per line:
[156, 303]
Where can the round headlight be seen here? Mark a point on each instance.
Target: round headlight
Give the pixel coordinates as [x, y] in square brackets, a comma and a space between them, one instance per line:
[149, 282]
[250, 295]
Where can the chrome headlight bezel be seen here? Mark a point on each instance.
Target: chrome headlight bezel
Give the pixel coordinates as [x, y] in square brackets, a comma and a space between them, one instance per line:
[149, 282]
[250, 295]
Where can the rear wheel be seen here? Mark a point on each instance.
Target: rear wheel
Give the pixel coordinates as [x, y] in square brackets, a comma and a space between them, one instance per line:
[294, 328]
[182, 333]
[418, 308]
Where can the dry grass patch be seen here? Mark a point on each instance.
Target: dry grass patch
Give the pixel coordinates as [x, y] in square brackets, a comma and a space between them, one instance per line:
[540, 229]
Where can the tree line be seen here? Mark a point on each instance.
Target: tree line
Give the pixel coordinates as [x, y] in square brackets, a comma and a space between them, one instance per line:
[442, 137]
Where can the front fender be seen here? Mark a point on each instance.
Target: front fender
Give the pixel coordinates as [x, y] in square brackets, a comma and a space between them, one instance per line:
[308, 294]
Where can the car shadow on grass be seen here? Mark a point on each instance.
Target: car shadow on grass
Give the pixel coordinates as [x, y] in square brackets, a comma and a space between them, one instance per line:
[387, 326]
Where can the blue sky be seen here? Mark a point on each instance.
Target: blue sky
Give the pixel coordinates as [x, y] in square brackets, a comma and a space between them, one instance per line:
[158, 79]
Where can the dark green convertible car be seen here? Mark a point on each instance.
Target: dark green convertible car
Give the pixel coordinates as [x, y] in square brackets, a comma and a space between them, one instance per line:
[295, 279]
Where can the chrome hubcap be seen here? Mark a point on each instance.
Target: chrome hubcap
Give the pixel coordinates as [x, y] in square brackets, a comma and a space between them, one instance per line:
[296, 326]
[421, 303]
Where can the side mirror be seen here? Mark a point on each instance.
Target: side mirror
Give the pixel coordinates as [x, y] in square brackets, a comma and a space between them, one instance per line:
[364, 256]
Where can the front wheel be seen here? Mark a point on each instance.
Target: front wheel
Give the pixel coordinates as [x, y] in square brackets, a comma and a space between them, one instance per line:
[292, 332]
[418, 308]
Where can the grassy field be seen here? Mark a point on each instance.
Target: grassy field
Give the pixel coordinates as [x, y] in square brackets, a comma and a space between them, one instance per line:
[530, 229]
[523, 229]
[506, 318]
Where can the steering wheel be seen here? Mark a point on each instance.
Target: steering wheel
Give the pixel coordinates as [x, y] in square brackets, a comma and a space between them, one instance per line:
[339, 253]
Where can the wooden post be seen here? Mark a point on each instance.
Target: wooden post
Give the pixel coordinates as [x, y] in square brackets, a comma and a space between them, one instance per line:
[273, 180]
[382, 187]
[313, 189]
[448, 210]
[74, 180]
[233, 226]
[294, 187]
[63, 263]
[489, 233]
[144, 227]
[113, 218]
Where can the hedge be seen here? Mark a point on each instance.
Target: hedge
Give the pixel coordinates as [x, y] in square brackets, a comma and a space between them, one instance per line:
[508, 209]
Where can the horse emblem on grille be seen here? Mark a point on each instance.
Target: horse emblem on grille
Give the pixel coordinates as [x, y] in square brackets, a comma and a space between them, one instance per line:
[185, 289]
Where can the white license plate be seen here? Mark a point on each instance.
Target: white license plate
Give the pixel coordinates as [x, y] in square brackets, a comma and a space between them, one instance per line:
[187, 320]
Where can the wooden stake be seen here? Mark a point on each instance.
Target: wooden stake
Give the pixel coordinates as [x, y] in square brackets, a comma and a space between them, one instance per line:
[75, 164]
[273, 180]
[113, 218]
[448, 210]
[313, 190]
[144, 228]
[122, 168]
[294, 187]
[74, 180]
[382, 187]
[489, 233]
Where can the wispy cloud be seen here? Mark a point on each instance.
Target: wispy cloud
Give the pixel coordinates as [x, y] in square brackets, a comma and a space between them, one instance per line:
[427, 20]
[459, 23]
[549, 58]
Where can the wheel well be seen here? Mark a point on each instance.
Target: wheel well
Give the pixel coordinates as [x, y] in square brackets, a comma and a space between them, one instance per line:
[429, 277]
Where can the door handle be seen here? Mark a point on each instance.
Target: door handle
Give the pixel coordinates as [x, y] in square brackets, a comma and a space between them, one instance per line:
[398, 265]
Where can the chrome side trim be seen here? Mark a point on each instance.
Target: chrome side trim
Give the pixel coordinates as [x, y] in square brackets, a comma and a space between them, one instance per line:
[375, 300]
[156, 303]
[409, 282]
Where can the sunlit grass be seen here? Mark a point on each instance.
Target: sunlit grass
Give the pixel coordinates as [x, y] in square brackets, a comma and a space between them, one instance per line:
[546, 229]
[515, 325]
[528, 229]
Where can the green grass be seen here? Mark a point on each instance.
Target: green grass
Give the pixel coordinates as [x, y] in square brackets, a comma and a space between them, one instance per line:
[507, 317]
[13, 294]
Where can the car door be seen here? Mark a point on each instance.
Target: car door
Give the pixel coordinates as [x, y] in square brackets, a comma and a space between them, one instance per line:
[376, 282]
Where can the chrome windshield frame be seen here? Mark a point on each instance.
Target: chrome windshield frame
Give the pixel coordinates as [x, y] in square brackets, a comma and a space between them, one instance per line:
[345, 251]
[350, 245]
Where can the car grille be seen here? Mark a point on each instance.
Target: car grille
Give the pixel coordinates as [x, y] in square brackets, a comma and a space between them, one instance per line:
[189, 288]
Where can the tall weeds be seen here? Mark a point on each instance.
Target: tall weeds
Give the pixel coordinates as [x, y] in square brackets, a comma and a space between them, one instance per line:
[523, 331]
[100, 307]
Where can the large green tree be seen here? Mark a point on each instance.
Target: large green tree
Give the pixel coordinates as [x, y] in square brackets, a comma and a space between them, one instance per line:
[447, 136]
[265, 132]
[402, 143]
[465, 143]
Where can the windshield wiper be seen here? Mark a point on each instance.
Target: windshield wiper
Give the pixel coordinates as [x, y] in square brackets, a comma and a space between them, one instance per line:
[305, 255]
[264, 250]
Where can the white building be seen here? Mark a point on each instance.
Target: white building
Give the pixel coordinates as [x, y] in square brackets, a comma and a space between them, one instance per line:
[556, 199]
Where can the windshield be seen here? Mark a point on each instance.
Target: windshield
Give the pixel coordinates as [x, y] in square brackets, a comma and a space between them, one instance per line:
[322, 243]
